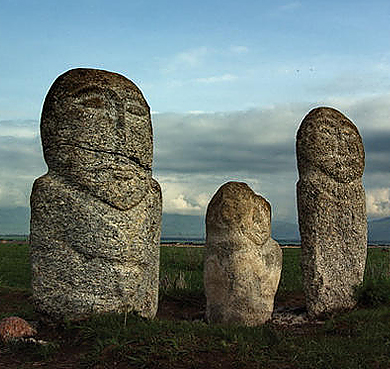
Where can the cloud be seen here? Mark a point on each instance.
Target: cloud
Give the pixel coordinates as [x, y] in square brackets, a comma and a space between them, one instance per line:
[179, 199]
[217, 79]
[199, 152]
[18, 129]
[378, 202]
[195, 153]
[192, 57]
[244, 142]
[239, 49]
[347, 81]
[197, 112]
[21, 161]
[290, 6]
[188, 59]
[371, 115]
[180, 205]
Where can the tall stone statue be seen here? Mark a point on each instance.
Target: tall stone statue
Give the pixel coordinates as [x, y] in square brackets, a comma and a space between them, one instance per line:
[242, 263]
[96, 214]
[331, 209]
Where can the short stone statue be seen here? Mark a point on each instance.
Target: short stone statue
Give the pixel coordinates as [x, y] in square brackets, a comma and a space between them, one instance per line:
[331, 209]
[242, 262]
[96, 214]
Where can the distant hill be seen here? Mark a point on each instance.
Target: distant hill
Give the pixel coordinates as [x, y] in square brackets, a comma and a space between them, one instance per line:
[285, 231]
[183, 226]
[193, 226]
[379, 230]
[16, 221]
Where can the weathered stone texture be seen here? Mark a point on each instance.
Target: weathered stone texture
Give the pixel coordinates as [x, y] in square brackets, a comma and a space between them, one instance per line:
[96, 214]
[331, 209]
[242, 263]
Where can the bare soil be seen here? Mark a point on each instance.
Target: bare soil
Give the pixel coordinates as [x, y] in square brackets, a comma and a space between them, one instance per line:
[72, 348]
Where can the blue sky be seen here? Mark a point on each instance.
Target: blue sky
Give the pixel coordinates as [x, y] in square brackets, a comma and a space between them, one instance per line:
[196, 56]
[236, 77]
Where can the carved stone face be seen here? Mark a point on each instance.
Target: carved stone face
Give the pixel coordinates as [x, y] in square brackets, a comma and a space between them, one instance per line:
[236, 208]
[330, 142]
[96, 132]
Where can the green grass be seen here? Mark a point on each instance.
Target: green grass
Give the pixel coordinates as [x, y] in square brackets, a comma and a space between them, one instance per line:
[181, 272]
[358, 339]
[291, 277]
[375, 290]
[15, 266]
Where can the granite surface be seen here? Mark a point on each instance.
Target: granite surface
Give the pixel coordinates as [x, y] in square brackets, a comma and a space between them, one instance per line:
[96, 214]
[331, 210]
[242, 262]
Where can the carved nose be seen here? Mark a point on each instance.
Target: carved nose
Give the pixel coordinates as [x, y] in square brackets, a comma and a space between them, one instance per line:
[343, 145]
[120, 131]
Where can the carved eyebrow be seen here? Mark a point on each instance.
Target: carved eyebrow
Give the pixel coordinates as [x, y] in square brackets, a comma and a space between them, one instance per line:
[90, 92]
[136, 108]
[134, 105]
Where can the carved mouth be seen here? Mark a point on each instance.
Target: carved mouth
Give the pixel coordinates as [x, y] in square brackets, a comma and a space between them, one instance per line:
[122, 174]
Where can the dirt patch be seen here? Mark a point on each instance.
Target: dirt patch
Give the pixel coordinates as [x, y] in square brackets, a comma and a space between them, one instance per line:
[71, 349]
[171, 308]
[11, 301]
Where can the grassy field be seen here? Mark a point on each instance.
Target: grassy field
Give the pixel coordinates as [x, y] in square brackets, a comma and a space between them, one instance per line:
[179, 336]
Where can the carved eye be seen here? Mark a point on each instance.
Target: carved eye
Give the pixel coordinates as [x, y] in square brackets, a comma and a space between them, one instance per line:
[326, 131]
[91, 97]
[348, 134]
[95, 102]
[136, 109]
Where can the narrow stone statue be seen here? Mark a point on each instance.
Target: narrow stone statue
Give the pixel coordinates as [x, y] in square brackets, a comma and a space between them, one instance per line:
[242, 263]
[331, 209]
[96, 214]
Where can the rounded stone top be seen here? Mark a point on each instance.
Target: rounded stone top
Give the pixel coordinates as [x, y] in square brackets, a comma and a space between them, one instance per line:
[328, 141]
[99, 111]
[236, 208]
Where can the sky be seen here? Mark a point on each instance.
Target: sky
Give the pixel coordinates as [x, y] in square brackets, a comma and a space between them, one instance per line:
[228, 83]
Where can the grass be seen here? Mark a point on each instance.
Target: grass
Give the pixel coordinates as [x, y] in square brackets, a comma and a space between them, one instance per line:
[181, 272]
[357, 339]
[15, 266]
[375, 290]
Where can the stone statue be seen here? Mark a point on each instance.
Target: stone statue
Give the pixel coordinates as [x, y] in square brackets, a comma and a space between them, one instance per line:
[242, 263]
[96, 214]
[331, 209]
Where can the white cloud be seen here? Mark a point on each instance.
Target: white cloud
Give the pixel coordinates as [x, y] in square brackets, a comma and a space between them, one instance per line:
[383, 64]
[197, 112]
[21, 161]
[188, 59]
[217, 79]
[290, 6]
[378, 202]
[178, 198]
[368, 112]
[256, 146]
[239, 49]
[192, 57]
[19, 129]
[195, 153]
[180, 204]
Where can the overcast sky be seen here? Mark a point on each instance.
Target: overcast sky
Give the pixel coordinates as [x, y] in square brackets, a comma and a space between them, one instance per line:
[228, 83]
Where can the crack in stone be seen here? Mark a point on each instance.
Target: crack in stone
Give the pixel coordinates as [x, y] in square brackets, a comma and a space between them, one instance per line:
[131, 158]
